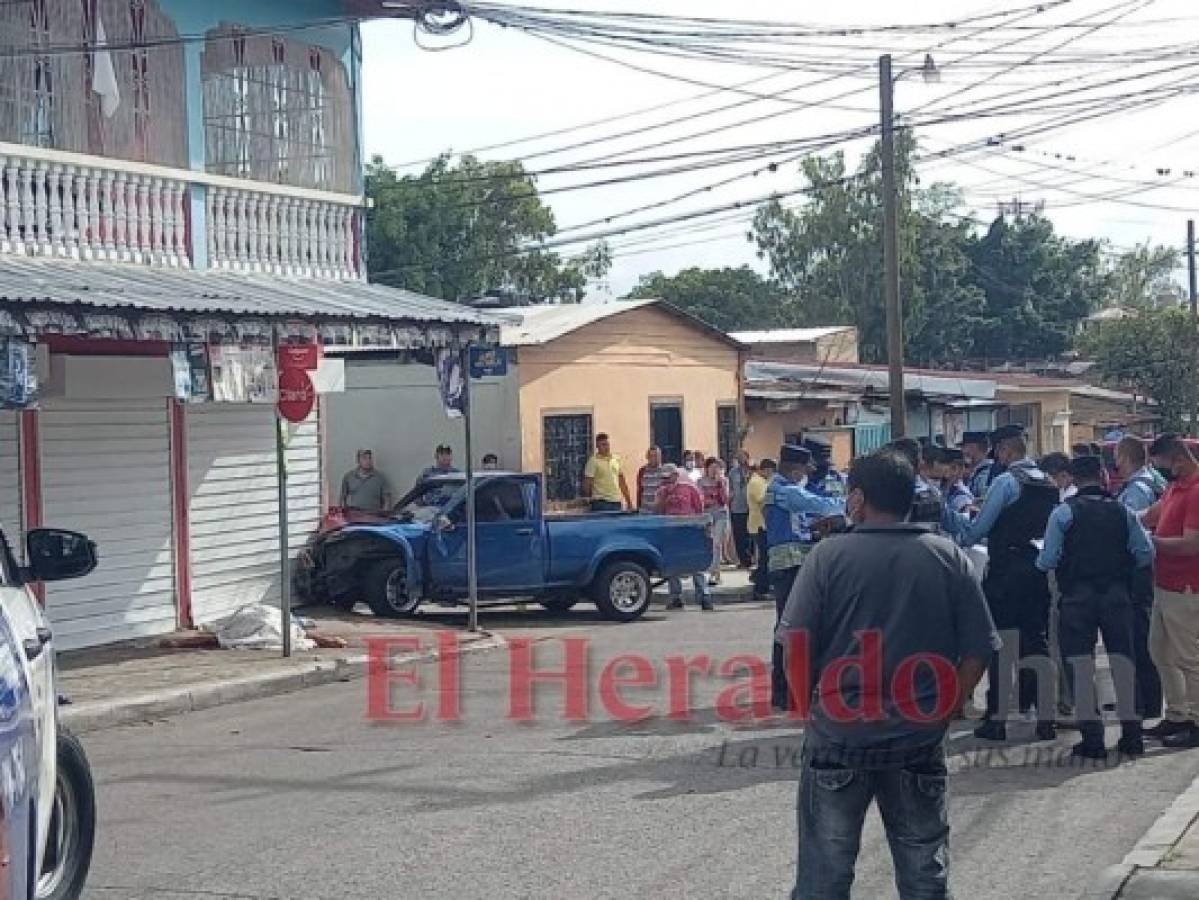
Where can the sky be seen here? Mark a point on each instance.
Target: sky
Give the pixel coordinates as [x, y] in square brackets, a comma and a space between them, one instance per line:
[1105, 178]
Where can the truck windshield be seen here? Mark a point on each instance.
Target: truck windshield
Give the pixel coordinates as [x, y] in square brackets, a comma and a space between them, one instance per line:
[422, 503]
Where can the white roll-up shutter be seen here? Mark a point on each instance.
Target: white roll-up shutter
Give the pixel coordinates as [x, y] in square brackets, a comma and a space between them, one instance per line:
[234, 509]
[10, 480]
[105, 471]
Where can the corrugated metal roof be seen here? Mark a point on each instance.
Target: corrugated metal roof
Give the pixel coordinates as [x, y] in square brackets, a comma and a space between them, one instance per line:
[542, 324]
[788, 335]
[118, 286]
[947, 384]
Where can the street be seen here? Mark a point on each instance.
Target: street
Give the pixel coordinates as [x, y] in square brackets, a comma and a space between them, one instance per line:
[299, 796]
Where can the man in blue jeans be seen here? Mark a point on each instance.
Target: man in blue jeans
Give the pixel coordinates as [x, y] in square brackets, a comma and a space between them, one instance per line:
[897, 637]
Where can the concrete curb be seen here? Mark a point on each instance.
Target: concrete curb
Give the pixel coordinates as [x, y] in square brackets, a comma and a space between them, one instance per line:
[1153, 847]
[95, 716]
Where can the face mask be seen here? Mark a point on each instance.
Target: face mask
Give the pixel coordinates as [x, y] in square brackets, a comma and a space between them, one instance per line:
[1166, 473]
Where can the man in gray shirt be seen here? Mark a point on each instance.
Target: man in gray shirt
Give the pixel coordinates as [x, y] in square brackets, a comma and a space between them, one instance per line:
[897, 636]
[366, 488]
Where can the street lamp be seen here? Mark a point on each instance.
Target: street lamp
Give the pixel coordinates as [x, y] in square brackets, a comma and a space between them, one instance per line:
[886, 84]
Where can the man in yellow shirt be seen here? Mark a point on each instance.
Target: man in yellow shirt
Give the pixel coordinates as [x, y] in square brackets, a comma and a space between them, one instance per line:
[604, 481]
[755, 492]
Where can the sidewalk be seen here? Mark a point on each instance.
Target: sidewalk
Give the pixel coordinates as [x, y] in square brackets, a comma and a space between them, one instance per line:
[110, 686]
[1164, 865]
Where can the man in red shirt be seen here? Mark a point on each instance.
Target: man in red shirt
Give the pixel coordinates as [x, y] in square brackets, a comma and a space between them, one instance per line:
[1174, 627]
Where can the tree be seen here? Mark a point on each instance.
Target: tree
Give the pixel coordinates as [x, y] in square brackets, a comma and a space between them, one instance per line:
[1143, 278]
[827, 255]
[1038, 287]
[1146, 354]
[1018, 291]
[456, 232]
[729, 299]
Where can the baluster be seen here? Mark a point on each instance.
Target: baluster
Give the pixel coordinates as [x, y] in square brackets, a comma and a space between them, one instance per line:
[271, 232]
[133, 201]
[107, 191]
[243, 229]
[178, 200]
[87, 199]
[251, 232]
[70, 246]
[120, 217]
[264, 233]
[306, 249]
[41, 208]
[157, 230]
[286, 214]
[6, 229]
[53, 181]
[349, 263]
[216, 227]
[332, 228]
[324, 269]
[16, 239]
[76, 191]
[231, 248]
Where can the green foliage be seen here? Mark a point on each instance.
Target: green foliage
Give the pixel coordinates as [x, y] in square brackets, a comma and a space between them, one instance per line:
[1147, 354]
[1143, 278]
[730, 299]
[1018, 291]
[456, 231]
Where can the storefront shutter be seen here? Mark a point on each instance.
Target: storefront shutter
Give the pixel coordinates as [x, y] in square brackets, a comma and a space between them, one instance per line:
[105, 471]
[233, 503]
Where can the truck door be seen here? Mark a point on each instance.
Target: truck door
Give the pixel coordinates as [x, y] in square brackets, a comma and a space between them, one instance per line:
[511, 543]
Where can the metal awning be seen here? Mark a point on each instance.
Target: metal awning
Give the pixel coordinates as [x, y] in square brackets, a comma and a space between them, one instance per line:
[126, 300]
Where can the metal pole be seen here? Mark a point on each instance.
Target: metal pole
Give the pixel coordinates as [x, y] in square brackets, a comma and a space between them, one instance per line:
[472, 570]
[1194, 285]
[886, 89]
[284, 555]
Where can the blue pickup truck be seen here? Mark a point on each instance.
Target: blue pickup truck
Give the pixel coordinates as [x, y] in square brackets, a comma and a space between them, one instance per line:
[418, 553]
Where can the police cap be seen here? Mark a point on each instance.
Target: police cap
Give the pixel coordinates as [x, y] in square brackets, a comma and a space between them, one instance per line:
[1004, 432]
[977, 438]
[1086, 468]
[794, 453]
[951, 455]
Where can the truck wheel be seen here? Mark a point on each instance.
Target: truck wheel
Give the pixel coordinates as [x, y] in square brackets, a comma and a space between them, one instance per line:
[72, 825]
[559, 602]
[622, 591]
[386, 587]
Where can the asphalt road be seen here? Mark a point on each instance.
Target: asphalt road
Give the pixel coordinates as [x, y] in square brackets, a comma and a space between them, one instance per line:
[301, 797]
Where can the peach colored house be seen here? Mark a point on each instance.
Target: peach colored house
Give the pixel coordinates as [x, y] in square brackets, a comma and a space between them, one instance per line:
[642, 371]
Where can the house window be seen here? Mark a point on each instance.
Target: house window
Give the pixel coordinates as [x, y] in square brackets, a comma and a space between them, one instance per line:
[567, 446]
[727, 442]
[278, 110]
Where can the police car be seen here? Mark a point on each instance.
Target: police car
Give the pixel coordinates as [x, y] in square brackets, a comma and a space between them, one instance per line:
[47, 802]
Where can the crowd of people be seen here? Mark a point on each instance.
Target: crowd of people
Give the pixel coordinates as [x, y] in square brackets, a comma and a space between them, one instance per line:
[1069, 550]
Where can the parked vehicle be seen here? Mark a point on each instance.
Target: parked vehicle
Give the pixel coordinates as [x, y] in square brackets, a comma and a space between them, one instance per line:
[395, 563]
[47, 799]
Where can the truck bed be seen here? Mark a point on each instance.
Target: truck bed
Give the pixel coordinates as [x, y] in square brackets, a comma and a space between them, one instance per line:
[682, 543]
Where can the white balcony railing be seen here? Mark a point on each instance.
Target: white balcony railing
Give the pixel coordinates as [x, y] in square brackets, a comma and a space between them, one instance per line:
[73, 206]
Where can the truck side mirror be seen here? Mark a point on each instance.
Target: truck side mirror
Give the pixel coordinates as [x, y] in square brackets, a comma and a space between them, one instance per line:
[56, 554]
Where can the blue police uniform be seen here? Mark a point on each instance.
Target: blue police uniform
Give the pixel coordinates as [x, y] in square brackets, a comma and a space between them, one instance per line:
[790, 511]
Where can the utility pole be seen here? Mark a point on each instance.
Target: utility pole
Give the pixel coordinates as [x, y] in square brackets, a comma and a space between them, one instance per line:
[1194, 286]
[886, 87]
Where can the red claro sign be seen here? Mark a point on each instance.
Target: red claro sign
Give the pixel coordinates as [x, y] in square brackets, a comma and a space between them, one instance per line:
[299, 356]
[297, 396]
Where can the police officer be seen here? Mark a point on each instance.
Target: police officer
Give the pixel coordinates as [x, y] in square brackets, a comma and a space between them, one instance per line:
[1142, 488]
[1096, 545]
[1014, 514]
[825, 481]
[791, 510]
[976, 446]
[928, 506]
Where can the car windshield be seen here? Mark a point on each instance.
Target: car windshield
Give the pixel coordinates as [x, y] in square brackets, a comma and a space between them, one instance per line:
[422, 503]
